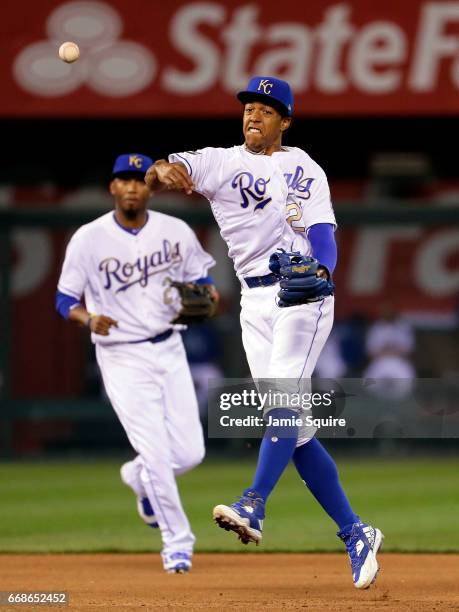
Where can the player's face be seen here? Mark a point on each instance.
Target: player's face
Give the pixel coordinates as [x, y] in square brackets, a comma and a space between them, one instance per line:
[262, 126]
[131, 195]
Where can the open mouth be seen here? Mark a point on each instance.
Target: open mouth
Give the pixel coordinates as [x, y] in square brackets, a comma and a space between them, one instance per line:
[254, 130]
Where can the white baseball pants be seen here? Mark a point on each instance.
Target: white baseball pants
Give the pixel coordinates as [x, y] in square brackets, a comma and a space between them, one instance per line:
[283, 343]
[151, 390]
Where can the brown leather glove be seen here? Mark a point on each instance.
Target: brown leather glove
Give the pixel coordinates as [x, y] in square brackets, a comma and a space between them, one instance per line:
[198, 303]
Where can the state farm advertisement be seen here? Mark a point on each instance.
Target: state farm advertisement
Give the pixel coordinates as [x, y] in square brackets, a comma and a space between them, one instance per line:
[150, 58]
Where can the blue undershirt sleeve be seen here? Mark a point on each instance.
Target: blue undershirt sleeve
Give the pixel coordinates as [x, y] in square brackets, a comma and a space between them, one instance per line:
[322, 239]
[64, 303]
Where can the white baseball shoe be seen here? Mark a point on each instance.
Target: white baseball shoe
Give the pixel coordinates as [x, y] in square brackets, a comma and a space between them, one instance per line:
[177, 563]
[130, 475]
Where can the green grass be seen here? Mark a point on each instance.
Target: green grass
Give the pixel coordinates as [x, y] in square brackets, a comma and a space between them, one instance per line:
[79, 507]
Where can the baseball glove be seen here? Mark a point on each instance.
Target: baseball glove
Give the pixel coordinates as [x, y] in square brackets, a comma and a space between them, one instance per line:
[197, 303]
[299, 279]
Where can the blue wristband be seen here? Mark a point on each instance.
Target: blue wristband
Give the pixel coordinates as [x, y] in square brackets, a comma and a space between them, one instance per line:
[64, 303]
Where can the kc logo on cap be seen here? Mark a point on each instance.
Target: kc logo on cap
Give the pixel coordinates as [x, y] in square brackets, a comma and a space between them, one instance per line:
[266, 85]
[131, 162]
[135, 160]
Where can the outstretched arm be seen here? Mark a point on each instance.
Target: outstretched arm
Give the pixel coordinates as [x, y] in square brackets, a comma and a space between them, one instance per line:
[163, 175]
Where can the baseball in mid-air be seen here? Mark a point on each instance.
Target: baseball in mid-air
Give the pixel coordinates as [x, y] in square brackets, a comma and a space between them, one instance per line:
[69, 52]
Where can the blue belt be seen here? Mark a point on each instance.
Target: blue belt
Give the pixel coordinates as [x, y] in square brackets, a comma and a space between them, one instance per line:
[159, 338]
[261, 281]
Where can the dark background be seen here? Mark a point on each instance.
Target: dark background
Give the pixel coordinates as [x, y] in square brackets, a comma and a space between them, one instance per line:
[74, 152]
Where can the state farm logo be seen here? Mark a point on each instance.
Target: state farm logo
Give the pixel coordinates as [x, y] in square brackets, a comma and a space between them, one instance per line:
[216, 46]
[108, 65]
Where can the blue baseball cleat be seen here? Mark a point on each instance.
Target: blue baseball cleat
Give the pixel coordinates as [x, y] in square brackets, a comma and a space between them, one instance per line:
[244, 517]
[146, 512]
[362, 542]
[177, 563]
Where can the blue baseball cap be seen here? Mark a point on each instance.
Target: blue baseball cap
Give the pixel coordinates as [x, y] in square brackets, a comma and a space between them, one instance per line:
[131, 163]
[271, 91]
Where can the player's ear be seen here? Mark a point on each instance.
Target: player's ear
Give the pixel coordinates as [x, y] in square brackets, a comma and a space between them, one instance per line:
[285, 123]
[111, 187]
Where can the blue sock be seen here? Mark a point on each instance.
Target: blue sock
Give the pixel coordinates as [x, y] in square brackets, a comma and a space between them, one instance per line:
[276, 450]
[318, 470]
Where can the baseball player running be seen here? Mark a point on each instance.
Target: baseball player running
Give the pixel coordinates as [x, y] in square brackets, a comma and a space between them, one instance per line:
[266, 197]
[123, 263]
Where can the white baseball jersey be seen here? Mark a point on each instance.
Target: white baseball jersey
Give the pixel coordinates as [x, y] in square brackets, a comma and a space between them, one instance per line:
[126, 276]
[262, 202]
[253, 195]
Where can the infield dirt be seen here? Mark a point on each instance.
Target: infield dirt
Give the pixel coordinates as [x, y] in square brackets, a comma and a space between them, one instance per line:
[235, 582]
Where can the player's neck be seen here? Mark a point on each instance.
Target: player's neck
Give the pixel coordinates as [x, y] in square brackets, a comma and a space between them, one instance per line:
[131, 222]
[276, 146]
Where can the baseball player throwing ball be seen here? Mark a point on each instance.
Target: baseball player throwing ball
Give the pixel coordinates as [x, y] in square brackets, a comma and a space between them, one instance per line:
[132, 265]
[273, 206]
